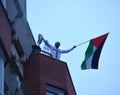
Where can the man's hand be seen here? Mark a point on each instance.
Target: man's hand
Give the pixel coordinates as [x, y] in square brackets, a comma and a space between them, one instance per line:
[74, 46]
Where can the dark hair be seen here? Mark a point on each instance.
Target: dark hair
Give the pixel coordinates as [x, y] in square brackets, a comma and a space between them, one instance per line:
[57, 44]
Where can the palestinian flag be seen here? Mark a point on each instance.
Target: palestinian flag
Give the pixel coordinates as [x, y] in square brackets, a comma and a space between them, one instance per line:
[93, 52]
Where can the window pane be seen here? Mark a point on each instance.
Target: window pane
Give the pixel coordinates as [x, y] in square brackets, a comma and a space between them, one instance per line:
[50, 93]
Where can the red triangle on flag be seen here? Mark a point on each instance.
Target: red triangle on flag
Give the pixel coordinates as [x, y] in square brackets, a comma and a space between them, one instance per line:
[98, 40]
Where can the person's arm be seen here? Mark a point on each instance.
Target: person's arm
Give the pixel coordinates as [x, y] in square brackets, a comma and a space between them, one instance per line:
[40, 38]
[47, 43]
[66, 51]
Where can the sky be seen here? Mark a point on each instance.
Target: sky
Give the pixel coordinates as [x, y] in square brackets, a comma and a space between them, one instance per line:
[73, 22]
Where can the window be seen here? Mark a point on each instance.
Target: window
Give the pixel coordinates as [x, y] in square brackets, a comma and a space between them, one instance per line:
[54, 91]
[51, 93]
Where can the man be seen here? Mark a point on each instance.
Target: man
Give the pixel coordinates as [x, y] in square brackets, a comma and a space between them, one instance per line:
[55, 51]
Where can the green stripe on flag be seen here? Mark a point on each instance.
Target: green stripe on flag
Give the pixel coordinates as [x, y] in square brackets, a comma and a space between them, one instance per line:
[88, 53]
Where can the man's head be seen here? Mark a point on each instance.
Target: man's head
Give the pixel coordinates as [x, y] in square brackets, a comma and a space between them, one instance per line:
[57, 44]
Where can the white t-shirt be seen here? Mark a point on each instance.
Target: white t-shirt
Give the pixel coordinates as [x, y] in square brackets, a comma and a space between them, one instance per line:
[56, 53]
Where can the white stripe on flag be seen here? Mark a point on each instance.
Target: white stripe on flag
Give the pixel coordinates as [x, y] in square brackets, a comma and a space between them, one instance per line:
[89, 61]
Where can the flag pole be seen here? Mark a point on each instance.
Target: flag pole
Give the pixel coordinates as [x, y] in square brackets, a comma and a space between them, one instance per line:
[88, 40]
[82, 43]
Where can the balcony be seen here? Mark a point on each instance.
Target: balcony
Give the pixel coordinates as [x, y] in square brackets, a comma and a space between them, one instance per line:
[42, 70]
[16, 13]
[5, 32]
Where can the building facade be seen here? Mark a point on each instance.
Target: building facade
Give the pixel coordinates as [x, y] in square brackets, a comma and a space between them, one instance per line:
[16, 42]
[23, 69]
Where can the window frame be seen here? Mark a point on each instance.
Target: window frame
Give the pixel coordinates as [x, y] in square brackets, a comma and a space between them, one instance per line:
[54, 90]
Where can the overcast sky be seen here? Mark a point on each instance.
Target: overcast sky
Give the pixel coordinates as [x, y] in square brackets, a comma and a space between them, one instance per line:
[74, 21]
